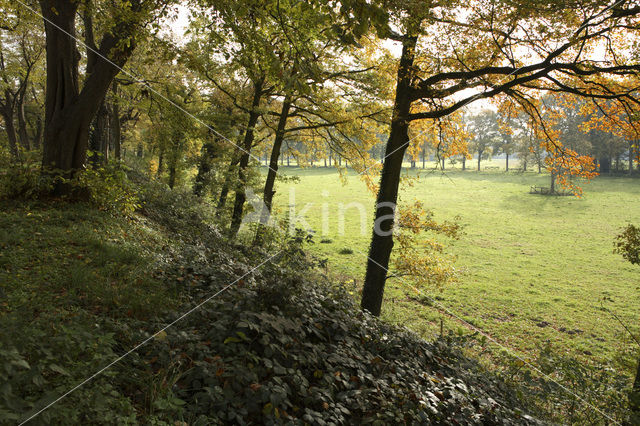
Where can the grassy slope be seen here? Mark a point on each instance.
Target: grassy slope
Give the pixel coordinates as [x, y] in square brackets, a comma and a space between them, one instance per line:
[62, 258]
[79, 287]
[529, 260]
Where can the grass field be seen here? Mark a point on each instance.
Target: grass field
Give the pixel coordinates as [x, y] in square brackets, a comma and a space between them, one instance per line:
[536, 267]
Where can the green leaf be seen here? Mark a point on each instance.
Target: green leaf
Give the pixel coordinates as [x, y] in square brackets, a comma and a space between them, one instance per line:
[58, 369]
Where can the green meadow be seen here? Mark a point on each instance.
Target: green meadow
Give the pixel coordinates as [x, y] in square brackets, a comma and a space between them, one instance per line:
[537, 270]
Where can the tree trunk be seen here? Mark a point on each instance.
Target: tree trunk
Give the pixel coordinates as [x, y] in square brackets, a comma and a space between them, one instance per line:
[634, 399]
[224, 192]
[98, 136]
[605, 165]
[172, 174]
[241, 196]
[115, 123]
[10, 129]
[37, 136]
[552, 189]
[268, 192]
[160, 164]
[442, 160]
[204, 168]
[382, 239]
[464, 163]
[69, 111]
[507, 165]
[479, 158]
[22, 121]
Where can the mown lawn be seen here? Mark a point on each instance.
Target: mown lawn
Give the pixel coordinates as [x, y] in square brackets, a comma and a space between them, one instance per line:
[538, 269]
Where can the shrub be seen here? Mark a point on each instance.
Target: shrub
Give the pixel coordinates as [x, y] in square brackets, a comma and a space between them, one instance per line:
[109, 189]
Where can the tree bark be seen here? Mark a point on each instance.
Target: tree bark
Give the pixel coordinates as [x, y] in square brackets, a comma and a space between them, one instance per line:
[172, 174]
[241, 196]
[116, 124]
[224, 192]
[382, 239]
[23, 136]
[98, 136]
[204, 168]
[479, 158]
[507, 165]
[552, 189]
[9, 128]
[268, 193]
[160, 164]
[37, 136]
[464, 163]
[634, 398]
[69, 110]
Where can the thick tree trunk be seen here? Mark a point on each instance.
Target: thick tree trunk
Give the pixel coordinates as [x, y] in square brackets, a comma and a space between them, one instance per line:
[382, 239]
[552, 189]
[507, 165]
[464, 163]
[479, 158]
[69, 111]
[241, 196]
[268, 193]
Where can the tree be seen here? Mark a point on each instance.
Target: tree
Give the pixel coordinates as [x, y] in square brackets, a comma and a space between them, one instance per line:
[628, 245]
[20, 54]
[71, 103]
[484, 127]
[482, 51]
